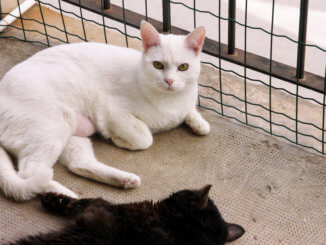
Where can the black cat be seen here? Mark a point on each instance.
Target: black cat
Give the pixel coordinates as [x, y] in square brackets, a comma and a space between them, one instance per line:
[186, 217]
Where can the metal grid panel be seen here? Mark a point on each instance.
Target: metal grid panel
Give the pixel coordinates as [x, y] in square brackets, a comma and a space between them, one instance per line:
[248, 60]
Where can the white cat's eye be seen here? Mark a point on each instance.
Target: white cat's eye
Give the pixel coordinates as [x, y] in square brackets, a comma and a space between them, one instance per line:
[183, 67]
[158, 65]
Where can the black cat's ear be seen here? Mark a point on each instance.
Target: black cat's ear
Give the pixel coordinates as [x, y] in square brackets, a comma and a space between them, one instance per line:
[202, 195]
[234, 232]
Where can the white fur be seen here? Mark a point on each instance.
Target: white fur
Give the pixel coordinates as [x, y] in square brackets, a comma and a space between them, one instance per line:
[117, 88]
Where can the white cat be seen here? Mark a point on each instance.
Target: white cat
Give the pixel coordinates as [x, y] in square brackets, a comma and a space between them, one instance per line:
[52, 101]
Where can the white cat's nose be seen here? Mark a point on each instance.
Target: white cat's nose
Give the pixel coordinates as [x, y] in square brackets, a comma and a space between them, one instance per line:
[169, 81]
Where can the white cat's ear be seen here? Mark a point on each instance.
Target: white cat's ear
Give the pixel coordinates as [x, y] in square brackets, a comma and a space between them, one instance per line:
[149, 35]
[196, 39]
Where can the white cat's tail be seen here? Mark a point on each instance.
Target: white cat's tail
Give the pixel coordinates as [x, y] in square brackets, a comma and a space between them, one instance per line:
[14, 186]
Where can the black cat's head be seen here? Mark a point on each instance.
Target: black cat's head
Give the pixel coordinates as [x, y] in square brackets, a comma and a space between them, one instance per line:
[196, 219]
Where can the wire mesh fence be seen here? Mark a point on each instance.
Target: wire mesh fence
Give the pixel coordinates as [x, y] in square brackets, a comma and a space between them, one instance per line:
[254, 99]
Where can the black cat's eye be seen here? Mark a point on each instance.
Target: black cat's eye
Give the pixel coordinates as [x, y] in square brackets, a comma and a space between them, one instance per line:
[183, 67]
[158, 65]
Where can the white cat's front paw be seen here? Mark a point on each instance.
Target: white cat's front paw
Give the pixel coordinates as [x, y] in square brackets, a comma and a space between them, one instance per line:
[70, 193]
[54, 186]
[203, 128]
[131, 181]
[200, 128]
[142, 144]
[197, 123]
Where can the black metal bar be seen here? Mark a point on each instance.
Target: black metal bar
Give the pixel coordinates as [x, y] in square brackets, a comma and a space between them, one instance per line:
[63, 21]
[323, 119]
[103, 20]
[146, 10]
[231, 27]
[124, 22]
[107, 4]
[195, 22]
[254, 62]
[219, 58]
[302, 38]
[21, 20]
[270, 70]
[0, 11]
[245, 62]
[82, 19]
[166, 15]
[45, 30]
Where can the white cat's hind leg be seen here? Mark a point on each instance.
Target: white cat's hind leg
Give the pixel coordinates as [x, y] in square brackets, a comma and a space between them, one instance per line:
[79, 157]
[21, 188]
[39, 149]
[42, 159]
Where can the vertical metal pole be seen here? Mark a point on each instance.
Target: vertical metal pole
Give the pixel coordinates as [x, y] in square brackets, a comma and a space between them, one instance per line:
[270, 71]
[231, 26]
[107, 4]
[245, 62]
[0, 11]
[146, 10]
[63, 21]
[45, 30]
[302, 38]
[103, 20]
[219, 56]
[166, 15]
[21, 19]
[323, 119]
[82, 21]
[124, 22]
[195, 24]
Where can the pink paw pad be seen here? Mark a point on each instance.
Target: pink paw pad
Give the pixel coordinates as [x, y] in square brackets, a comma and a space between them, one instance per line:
[134, 182]
[125, 181]
[129, 183]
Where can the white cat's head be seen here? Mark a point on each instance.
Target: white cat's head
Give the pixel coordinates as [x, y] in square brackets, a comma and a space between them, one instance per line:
[171, 63]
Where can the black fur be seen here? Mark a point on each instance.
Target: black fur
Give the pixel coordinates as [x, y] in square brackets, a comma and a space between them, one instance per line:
[186, 217]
